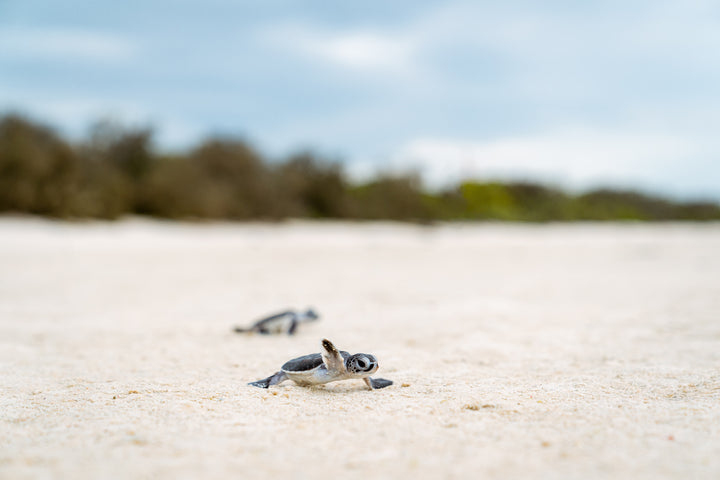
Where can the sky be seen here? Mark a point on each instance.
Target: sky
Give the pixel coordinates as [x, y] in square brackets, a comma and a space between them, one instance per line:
[577, 94]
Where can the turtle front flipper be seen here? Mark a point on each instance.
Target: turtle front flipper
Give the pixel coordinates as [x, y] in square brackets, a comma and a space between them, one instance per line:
[332, 359]
[376, 383]
[271, 380]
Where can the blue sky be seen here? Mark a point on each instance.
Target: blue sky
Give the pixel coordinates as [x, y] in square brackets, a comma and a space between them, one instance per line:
[576, 93]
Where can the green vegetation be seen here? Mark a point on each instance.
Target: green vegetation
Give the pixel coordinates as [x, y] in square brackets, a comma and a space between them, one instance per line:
[116, 172]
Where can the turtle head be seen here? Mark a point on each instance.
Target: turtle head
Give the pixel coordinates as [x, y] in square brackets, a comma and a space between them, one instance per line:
[361, 364]
[310, 315]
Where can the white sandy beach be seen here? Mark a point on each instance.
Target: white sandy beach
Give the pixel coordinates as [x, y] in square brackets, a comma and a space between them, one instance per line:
[517, 351]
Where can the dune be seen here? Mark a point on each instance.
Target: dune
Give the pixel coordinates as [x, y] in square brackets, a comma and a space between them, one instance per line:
[517, 351]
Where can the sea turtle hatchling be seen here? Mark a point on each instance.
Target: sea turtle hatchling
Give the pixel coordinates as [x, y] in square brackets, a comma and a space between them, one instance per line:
[283, 322]
[329, 366]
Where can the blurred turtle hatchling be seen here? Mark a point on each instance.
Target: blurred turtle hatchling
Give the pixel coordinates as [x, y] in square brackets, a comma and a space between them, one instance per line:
[284, 322]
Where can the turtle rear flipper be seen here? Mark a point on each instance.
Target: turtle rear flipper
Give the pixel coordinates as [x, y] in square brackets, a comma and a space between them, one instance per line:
[271, 380]
[376, 383]
[293, 327]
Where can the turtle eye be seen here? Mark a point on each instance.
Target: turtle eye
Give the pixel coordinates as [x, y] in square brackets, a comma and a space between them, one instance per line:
[362, 364]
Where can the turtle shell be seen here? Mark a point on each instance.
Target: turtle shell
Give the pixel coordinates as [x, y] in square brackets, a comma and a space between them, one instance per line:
[307, 362]
[267, 320]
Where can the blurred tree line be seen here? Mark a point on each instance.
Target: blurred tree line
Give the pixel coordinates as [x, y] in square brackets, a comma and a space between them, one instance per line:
[116, 172]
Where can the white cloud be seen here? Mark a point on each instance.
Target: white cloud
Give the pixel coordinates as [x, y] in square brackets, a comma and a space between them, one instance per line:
[573, 157]
[361, 50]
[364, 51]
[60, 44]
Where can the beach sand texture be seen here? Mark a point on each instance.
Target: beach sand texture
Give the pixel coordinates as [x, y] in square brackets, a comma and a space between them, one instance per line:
[517, 351]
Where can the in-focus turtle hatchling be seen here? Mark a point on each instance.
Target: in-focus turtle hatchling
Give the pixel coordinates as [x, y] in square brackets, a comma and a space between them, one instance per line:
[283, 322]
[329, 366]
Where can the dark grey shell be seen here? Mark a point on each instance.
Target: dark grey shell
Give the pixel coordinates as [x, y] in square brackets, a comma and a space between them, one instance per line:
[267, 320]
[307, 363]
